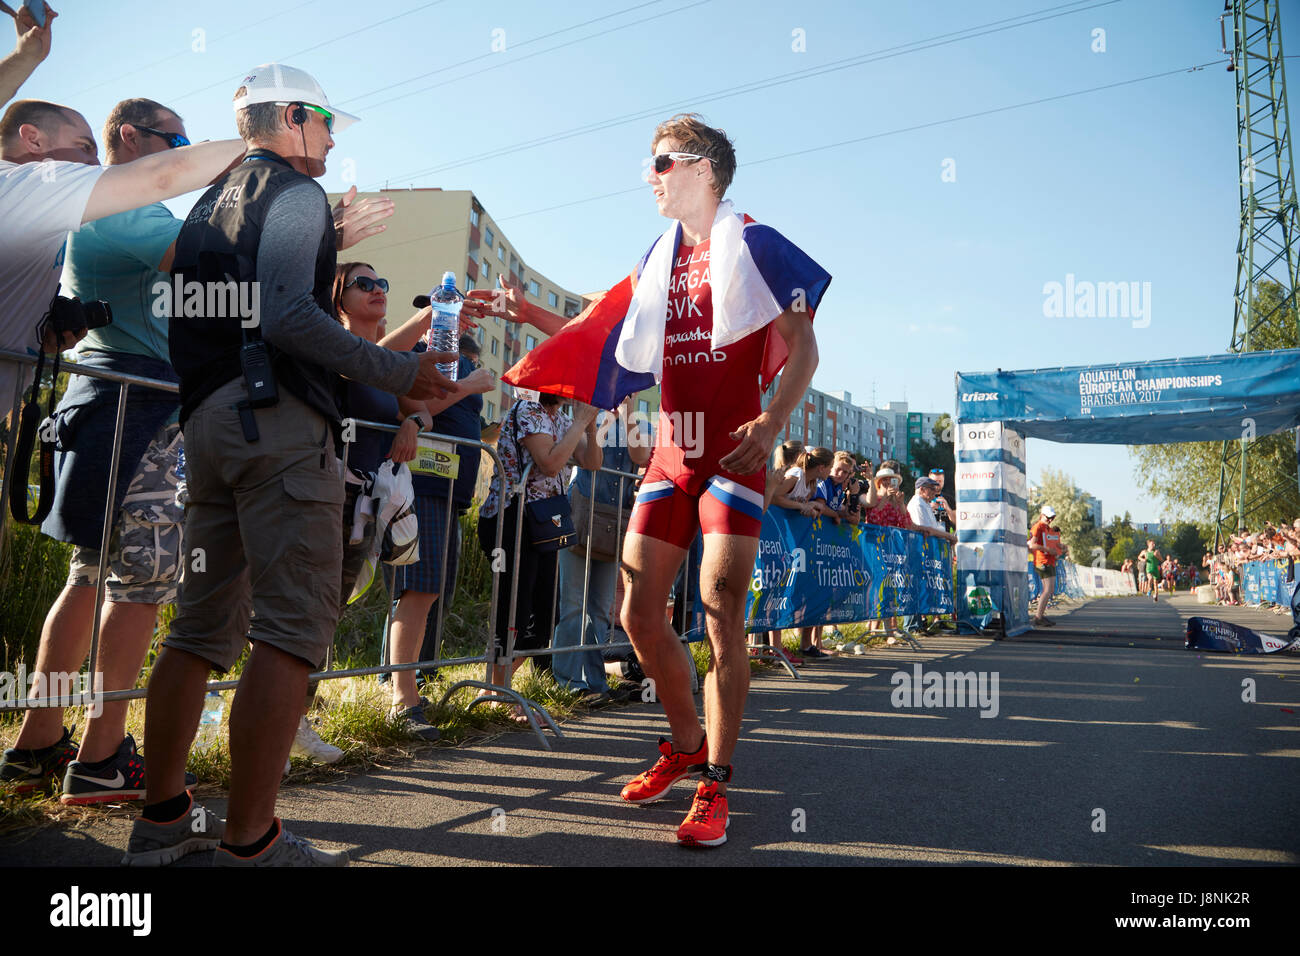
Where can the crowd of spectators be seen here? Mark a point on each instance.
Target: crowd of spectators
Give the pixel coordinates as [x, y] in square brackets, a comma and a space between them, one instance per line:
[274, 493]
[1224, 566]
[260, 369]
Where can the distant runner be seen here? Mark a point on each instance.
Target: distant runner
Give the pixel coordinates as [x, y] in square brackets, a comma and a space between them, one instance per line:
[1150, 560]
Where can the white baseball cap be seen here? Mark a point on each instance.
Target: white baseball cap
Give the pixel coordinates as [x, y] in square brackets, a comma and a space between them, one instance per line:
[1049, 511]
[277, 83]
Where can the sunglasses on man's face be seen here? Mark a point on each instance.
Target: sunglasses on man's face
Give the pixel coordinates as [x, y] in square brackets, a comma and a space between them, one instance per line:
[367, 284]
[663, 162]
[329, 117]
[173, 139]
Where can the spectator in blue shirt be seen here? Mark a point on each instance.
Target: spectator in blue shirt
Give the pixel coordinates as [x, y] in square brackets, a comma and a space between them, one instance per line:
[832, 490]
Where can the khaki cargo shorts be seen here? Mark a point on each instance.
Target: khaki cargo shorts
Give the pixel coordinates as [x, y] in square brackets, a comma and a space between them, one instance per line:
[263, 532]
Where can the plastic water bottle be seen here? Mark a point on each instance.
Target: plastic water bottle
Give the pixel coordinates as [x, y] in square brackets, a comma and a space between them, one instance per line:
[210, 721]
[444, 329]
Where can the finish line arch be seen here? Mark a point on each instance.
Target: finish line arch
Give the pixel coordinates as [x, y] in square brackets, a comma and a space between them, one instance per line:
[1205, 398]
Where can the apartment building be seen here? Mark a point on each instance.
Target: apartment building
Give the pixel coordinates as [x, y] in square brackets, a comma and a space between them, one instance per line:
[434, 231]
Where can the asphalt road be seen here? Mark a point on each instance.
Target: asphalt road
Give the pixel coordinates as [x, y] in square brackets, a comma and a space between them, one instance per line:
[1099, 753]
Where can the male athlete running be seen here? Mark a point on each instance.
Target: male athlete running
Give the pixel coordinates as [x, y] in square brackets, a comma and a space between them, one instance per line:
[707, 471]
[1150, 557]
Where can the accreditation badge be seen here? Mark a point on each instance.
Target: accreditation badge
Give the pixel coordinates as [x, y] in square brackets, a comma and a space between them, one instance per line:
[435, 459]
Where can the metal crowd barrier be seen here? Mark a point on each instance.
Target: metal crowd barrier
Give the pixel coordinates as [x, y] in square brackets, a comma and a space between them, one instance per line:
[88, 698]
[491, 655]
[583, 647]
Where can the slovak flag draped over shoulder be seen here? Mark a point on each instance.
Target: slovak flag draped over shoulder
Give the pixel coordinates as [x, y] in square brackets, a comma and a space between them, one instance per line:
[616, 347]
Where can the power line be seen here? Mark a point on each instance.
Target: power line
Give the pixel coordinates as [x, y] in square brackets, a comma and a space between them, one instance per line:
[483, 56]
[558, 46]
[943, 39]
[166, 59]
[847, 142]
[342, 36]
[990, 112]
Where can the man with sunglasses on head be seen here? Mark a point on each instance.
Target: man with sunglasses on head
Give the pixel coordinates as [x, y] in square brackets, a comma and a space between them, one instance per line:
[259, 408]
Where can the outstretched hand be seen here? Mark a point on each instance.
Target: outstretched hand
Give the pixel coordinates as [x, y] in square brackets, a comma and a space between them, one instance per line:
[505, 300]
[354, 221]
[429, 382]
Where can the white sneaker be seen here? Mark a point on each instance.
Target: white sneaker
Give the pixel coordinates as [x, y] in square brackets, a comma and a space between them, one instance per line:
[306, 743]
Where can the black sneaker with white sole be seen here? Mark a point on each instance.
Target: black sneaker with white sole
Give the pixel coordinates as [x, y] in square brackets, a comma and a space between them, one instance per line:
[28, 770]
[119, 778]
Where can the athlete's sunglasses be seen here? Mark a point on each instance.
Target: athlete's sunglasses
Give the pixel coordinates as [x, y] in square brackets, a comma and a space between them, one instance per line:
[367, 284]
[666, 161]
[173, 139]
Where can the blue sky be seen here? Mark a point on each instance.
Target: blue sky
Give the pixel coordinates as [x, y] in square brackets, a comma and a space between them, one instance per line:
[1135, 183]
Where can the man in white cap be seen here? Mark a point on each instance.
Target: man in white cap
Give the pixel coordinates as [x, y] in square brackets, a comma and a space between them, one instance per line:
[1045, 545]
[262, 443]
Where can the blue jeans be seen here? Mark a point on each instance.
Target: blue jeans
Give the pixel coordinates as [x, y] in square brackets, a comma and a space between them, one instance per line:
[584, 671]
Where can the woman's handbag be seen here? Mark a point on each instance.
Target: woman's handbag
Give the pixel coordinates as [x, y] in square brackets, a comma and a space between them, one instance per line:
[604, 532]
[548, 522]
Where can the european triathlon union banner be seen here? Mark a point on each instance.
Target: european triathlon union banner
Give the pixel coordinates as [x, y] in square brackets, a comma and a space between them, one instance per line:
[812, 571]
[1265, 581]
[1207, 634]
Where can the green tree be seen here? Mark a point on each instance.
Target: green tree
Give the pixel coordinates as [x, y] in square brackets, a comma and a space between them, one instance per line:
[1184, 543]
[1078, 531]
[1184, 476]
[1123, 549]
[938, 453]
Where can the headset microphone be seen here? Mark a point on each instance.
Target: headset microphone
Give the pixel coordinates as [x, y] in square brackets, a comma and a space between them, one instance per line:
[299, 117]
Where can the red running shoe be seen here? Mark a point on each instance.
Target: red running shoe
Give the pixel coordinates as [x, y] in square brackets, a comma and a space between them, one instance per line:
[706, 824]
[668, 769]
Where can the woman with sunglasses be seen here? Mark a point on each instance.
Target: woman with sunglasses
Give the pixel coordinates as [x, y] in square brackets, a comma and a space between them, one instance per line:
[361, 304]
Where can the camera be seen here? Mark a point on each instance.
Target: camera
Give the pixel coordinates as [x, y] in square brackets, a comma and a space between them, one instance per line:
[73, 315]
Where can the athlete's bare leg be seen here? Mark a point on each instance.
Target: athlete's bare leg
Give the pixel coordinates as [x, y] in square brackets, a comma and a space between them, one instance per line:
[649, 567]
[725, 574]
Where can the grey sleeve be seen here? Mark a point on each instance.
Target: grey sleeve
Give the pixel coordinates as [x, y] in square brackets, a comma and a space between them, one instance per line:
[290, 318]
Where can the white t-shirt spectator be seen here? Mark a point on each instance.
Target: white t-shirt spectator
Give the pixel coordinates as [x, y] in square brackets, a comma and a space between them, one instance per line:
[801, 490]
[919, 510]
[40, 203]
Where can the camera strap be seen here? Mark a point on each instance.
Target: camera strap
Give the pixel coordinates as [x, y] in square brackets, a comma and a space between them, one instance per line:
[29, 421]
